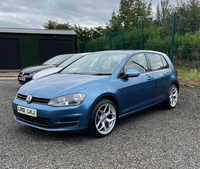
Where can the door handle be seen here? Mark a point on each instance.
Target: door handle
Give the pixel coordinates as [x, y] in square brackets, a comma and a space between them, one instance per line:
[149, 78]
[167, 73]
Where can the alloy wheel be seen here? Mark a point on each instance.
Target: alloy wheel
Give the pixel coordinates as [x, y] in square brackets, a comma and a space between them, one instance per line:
[105, 118]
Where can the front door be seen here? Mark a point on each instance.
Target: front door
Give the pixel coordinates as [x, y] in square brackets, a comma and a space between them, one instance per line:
[137, 91]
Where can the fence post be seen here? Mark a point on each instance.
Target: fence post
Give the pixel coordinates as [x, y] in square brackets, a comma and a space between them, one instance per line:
[141, 41]
[173, 33]
[97, 44]
[111, 41]
[122, 39]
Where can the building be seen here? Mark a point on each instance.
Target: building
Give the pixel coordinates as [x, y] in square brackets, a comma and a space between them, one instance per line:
[22, 47]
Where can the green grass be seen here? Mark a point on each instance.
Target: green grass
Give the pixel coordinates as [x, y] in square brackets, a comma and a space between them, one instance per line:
[188, 73]
[189, 76]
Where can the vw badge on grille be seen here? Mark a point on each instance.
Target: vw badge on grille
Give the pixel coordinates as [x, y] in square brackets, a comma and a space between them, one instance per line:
[29, 98]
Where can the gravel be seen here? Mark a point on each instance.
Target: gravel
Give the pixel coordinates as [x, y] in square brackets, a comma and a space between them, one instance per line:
[153, 138]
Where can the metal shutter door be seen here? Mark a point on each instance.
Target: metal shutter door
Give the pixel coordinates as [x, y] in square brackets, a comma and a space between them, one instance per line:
[9, 54]
[50, 48]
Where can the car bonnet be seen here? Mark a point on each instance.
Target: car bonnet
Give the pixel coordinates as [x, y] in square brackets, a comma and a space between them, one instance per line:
[62, 84]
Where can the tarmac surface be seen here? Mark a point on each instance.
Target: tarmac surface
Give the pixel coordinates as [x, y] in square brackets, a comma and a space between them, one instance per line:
[154, 138]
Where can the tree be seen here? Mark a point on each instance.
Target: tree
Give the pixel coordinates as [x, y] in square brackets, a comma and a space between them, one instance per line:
[84, 34]
[131, 13]
[114, 25]
[162, 11]
[55, 25]
[188, 16]
[134, 12]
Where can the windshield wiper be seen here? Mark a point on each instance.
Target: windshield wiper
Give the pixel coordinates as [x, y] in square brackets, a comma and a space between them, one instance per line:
[102, 74]
[72, 73]
[139, 65]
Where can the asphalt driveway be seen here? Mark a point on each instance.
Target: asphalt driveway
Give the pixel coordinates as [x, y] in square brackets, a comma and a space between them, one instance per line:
[153, 138]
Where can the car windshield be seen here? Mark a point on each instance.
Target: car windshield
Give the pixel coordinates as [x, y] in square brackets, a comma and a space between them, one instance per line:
[57, 59]
[70, 60]
[96, 64]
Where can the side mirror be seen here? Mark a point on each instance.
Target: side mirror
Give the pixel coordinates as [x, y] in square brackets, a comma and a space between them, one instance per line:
[132, 73]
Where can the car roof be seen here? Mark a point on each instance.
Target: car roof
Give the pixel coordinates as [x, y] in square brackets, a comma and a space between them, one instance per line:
[128, 51]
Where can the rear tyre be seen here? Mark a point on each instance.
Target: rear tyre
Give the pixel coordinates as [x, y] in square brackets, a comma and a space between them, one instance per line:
[103, 118]
[172, 97]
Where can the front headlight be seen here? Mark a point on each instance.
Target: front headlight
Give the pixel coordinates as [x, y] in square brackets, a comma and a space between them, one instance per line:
[67, 100]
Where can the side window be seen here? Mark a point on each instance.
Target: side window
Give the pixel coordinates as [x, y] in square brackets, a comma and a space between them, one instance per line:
[165, 65]
[157, 62]
[137, 62]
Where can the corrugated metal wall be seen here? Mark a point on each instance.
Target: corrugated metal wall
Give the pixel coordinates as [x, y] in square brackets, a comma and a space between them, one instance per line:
[29, 46]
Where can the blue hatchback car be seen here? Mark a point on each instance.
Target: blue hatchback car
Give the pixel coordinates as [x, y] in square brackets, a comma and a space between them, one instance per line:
[98, 89]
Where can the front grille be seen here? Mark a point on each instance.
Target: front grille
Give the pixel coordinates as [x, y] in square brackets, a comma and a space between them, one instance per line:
[38, 120]
[34, 99]
[21, 96]
[27, 74]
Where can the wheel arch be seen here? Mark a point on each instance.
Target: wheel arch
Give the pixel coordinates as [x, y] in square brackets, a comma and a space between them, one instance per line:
[175, 83]
[108, 96]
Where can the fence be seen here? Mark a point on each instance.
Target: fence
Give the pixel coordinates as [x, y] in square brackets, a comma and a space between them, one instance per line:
[180, 43]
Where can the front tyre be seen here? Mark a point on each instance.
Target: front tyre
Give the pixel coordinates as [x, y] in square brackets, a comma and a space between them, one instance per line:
[172, 97]
[103, 118]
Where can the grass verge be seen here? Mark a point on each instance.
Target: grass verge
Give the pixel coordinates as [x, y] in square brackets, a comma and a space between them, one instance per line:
[190, 77]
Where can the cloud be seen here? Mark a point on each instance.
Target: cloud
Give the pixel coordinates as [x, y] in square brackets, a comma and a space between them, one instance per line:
[34, 13]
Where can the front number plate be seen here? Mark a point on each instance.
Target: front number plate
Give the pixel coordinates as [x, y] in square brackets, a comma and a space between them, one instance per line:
[27, 111]
[22, 78]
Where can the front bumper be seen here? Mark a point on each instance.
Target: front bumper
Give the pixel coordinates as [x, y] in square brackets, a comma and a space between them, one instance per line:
[24, 79]
[70, 118]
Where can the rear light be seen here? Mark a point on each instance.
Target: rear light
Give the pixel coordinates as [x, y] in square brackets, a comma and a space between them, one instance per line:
[176, 73]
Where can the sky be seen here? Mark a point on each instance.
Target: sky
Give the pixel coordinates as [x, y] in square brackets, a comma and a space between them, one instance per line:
[34, 13]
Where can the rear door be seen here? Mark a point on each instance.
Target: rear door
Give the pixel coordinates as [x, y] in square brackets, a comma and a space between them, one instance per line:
[161, 75]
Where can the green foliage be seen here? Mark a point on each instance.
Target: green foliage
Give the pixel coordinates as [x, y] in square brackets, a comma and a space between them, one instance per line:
[187, 16]
[189, 47]
[115, 24]
[123, 31]
[134, 12]
[98, 44]
[186, 48]
[55, 25]
[84, 34]
[131, 39]
[131, 13]
[162, 11]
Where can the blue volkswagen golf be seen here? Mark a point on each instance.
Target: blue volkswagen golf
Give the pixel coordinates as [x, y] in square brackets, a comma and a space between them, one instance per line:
[97, 90]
